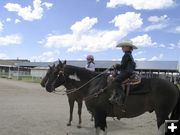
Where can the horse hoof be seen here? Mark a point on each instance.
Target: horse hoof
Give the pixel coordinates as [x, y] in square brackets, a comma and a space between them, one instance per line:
[118, 118]
[68, 124]
[78, 126]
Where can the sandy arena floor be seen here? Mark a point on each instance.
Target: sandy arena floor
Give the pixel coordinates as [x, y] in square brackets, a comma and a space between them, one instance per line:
[27, 109]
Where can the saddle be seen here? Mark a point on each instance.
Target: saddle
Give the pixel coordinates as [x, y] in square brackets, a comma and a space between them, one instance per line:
[131, 86]
[132, 81]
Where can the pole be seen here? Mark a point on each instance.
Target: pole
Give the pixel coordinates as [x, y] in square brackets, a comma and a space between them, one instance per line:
[9, 76]
[18, 74]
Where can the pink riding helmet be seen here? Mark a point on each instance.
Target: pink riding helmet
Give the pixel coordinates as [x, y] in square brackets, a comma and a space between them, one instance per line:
[90, 57]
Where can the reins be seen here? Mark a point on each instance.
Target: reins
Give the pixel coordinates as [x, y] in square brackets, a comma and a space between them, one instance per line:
[77, 89]
[95, 95]
[58, 92]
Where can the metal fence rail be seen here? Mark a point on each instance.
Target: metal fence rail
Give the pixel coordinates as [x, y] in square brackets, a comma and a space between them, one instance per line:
[27, 78]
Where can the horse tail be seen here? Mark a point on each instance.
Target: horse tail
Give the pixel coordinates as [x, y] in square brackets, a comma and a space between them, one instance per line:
[176, 112]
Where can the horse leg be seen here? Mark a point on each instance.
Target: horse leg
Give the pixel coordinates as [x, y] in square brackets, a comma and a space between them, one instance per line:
[79, 112]
[71, 105]
[92, 118]
[163, 112]
[100, 123]
[161, 123]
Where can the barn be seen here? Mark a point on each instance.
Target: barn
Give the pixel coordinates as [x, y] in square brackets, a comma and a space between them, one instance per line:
[9, 68]
[18, 68]
[168, 70]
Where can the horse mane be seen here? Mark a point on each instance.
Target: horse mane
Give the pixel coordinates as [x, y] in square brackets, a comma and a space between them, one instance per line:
[81, 72]
[95, 85]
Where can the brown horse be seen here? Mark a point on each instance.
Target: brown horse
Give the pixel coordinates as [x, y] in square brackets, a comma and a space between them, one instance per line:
[76, 96]
[150, 95]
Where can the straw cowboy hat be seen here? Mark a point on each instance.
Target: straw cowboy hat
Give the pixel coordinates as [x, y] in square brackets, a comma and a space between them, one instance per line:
[126, 43]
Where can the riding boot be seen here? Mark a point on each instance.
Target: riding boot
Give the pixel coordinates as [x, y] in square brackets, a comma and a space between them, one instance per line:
[118, 95]
[111, 99]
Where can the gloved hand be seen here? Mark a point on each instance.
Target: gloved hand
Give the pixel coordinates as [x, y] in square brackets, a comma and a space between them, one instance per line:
[116, 66]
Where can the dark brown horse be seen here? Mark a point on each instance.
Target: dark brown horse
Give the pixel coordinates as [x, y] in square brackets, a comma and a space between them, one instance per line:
[150, 95]
[76, 96]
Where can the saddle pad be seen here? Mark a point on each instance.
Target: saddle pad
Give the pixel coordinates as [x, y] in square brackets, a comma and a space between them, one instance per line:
[140, 88]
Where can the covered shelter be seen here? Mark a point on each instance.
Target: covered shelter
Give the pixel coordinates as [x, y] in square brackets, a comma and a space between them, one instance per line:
[157, 69]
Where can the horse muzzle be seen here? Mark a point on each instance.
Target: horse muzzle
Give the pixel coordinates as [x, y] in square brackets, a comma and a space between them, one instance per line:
[50, 88]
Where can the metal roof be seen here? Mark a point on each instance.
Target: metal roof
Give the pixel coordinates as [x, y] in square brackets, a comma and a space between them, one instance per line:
[140, 65]
[11, 62]
[33, 64]
[99, 64]
[158, 65]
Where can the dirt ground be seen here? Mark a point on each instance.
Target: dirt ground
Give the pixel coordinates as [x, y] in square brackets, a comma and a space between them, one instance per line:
[27, 109]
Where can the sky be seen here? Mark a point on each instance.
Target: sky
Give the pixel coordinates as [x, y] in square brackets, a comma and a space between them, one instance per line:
[45, 30]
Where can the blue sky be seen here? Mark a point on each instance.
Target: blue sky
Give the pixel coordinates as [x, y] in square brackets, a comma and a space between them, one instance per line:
[45, 30]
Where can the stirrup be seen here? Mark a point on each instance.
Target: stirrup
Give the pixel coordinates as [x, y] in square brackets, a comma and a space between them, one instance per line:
[123, 108]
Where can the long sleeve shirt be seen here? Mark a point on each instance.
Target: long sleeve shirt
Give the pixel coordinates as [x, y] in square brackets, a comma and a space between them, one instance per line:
[90, 66]
[127, 63]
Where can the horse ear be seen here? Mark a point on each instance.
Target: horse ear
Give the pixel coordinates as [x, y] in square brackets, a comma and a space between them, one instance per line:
[64, 63]
[60, 63]
[53, 66]
[49, 67]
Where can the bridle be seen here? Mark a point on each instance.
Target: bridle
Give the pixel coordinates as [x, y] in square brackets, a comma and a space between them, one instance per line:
[60, 73]
[70, 91]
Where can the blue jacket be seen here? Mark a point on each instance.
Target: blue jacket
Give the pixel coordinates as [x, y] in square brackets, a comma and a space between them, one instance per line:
[127, 64]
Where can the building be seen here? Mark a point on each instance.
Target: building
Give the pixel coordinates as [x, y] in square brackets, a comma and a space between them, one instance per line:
[8, 67]
[37, 69]
[168, 70]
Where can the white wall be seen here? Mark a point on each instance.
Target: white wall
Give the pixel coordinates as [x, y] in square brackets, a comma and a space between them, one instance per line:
[38, 72]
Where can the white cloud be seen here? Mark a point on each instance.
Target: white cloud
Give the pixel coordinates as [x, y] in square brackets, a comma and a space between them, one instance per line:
[158, 23]
[156, 19]
[171, 46]
[97, 0]
[157, 57]
[142, 4]
[140, 59]
[128, 22]
[17, 21]
[49, 56]
[139, 53]
[3, 56]
[177, 29]
[1, 26]
[85, 37]
[174, 45]
[155, 27]
[116, 59]
[28, 13]
[161, 45]
[92, 42]
[84, 25]
[48, 5]
[8, 19]
[143, 41]
[10, 40]
[178, 44]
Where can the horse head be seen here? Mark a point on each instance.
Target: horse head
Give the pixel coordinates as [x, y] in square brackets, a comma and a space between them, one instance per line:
[48, 73]
[56, 77]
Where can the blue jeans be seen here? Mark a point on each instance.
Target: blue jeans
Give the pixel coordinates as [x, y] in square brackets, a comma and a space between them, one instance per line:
[116, 84]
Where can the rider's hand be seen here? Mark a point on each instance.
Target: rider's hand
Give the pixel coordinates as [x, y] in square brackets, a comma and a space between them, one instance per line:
[117, 66]
[114, 66]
